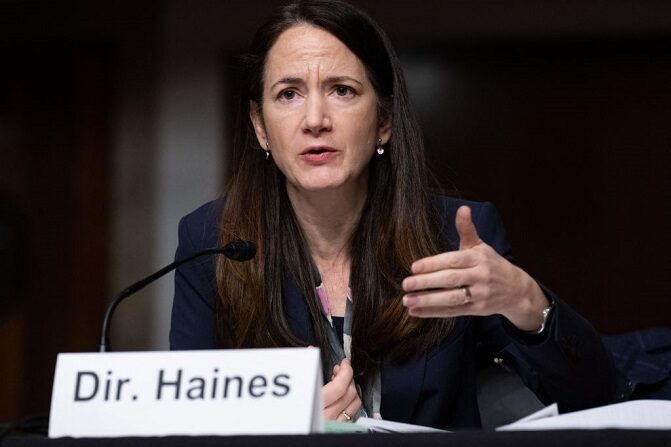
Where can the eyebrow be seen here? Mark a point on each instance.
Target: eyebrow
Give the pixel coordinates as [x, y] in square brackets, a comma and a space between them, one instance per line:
[331, 80]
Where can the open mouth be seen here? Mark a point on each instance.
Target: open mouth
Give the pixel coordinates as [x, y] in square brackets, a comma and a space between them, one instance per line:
[318, 154]
[318, 150]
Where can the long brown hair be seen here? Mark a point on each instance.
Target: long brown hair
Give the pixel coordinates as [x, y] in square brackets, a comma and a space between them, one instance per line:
[398, 224]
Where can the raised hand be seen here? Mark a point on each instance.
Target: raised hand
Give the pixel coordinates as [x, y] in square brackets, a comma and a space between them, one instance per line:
[475, 280]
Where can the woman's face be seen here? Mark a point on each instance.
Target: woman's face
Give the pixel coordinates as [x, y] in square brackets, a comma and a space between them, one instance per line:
[319, 115]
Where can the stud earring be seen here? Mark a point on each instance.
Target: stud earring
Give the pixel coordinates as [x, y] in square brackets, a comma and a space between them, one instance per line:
[379, 147]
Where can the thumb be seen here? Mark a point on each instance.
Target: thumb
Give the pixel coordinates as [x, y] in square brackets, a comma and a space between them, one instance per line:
[468, 235]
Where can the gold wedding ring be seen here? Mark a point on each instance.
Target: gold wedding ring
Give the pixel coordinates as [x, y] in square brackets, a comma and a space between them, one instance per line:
[467, 294]
[348, 418]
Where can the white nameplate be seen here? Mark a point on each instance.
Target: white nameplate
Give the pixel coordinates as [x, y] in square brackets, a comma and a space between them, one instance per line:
[219, 392]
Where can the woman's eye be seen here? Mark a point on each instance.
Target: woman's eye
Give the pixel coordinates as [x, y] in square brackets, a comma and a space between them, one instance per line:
[342, 90]
[288, 94]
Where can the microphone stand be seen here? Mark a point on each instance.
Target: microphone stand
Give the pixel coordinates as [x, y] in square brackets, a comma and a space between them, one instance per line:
[237, 250]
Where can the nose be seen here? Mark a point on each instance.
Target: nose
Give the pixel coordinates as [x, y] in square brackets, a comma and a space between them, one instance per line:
[317, 119]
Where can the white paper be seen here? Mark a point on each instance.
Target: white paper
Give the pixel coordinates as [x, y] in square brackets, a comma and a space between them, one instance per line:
[549, 411]
[632, 415]
[380, 425]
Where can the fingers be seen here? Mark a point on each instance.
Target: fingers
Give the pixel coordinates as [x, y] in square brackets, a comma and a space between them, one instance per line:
[441, 297]
[468, 235]
[446, 260]
[350, 411]
[436, 287]
[442, 311]
[442, 279]
[340, 394]
[340, 381]
[349, 403]
[446, 303]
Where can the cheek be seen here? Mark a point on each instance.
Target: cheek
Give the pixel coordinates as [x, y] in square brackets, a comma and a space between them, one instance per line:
[364, 134]
[282, 126]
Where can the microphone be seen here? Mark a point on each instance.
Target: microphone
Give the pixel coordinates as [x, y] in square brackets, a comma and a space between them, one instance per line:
[237, 250]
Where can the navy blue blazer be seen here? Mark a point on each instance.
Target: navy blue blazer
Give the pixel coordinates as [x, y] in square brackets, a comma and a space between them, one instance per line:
[566, 364]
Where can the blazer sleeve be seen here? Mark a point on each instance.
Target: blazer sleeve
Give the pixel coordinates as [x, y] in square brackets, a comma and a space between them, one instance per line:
[193, 318]
[568, 363]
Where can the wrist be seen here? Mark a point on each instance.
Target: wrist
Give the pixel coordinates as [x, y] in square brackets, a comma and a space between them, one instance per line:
[532, 309]
[546, 317]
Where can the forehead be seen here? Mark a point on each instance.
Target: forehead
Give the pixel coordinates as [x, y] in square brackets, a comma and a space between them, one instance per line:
[305, 48]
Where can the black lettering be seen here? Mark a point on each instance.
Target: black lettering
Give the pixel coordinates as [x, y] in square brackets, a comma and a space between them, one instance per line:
[281, 384]
[161, 383]
[215, 381]
[107, 386]
[120, 383]
[255, 383]
[78, 391]
[197, 391]
[228, 380]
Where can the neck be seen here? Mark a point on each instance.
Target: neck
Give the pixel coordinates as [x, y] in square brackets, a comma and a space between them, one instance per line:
[328, 218]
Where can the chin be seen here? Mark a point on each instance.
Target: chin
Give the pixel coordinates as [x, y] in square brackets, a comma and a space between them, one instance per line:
[317, 184]
[317, 187]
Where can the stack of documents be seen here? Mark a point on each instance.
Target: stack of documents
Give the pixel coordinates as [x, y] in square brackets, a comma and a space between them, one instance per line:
[632, 415]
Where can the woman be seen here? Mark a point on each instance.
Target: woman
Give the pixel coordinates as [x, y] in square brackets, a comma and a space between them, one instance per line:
[396, 287]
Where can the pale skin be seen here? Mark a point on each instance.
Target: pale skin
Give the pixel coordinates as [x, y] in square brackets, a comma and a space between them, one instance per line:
[497, 286]
[317, 96]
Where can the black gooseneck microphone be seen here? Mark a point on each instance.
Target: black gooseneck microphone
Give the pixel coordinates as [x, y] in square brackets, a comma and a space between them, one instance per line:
[236, 250]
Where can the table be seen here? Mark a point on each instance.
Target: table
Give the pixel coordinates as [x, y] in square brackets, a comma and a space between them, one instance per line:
[563, 438]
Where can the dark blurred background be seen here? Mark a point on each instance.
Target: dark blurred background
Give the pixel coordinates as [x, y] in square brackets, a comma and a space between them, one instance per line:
[115, 116]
